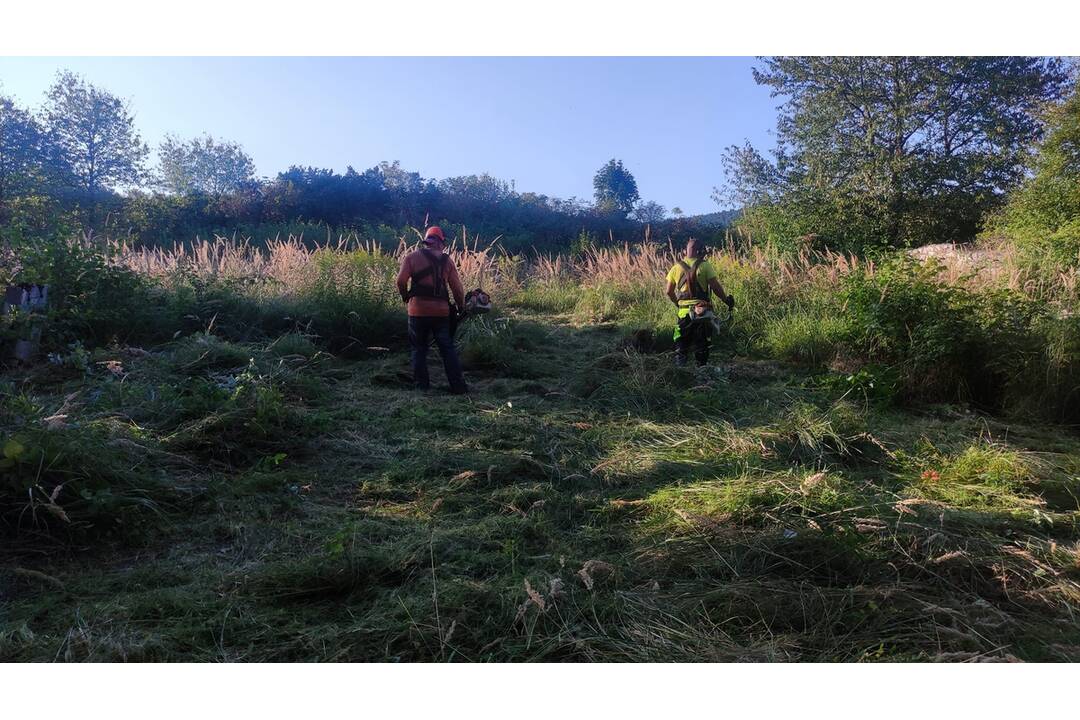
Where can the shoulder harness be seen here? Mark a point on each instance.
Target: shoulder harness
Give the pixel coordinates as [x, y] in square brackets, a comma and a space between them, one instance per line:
[437, 269]
[689, 288]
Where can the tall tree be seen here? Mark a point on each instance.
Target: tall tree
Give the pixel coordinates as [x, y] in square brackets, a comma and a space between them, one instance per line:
[203, 165]
[95, 134]
[21, 153]
[615, 189]
[649, 212]
[1044, 214]
[892, 149]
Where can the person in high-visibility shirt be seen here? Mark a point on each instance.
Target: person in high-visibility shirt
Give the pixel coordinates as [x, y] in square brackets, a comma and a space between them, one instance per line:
[690, 284]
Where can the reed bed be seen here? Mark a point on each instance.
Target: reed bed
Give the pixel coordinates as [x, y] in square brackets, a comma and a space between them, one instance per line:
[813, 306]
[991, 265]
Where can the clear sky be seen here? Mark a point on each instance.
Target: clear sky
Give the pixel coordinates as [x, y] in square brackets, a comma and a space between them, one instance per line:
[546, 123]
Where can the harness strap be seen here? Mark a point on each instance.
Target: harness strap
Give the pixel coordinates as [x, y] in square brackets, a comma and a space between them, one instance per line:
[688, 285]
[437, 269]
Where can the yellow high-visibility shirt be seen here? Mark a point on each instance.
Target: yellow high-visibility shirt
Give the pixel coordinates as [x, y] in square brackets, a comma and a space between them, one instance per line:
[706, 273]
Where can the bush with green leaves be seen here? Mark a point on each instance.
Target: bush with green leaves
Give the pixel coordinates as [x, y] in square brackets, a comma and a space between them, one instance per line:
[1044, 377]
[902, 315]
[92, 298]
[1044, 215]
[996, 348]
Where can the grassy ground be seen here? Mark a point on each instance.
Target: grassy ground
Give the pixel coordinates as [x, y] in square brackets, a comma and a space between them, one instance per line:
[586, 502]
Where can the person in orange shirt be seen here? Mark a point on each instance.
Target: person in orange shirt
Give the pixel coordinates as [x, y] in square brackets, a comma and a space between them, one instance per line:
[422, 282]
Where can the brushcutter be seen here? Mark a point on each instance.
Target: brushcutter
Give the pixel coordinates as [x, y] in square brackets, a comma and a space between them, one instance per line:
[477, 302]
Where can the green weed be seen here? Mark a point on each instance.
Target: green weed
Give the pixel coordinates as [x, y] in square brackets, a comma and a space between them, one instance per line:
[981, 477]
[549, 296]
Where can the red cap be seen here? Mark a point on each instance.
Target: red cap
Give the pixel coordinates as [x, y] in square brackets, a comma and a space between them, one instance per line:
[434, 232]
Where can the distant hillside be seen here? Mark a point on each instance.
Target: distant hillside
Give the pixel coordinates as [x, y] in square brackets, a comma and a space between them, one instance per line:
[721, 219]
[707, 226]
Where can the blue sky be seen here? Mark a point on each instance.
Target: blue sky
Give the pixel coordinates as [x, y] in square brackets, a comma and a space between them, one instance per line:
[546, 123]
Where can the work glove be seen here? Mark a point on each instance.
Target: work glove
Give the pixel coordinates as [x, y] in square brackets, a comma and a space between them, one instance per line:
[730, 302]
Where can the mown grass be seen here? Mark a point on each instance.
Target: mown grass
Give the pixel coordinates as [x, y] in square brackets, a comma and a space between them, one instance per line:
[760, 524]
[272, 501]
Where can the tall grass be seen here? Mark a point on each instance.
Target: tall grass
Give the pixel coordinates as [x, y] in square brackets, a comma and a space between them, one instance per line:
[980, 326]
[972, 326]
[340, 291]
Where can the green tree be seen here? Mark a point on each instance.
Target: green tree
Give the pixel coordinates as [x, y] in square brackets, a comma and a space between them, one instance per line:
[95, 134]
[890, 150]
[1044, 214]
[615, 189]
[203, 165]
[649, 212]
[21, 154]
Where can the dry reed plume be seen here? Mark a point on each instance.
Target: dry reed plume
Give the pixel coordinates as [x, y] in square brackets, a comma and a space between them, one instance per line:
[290, 260]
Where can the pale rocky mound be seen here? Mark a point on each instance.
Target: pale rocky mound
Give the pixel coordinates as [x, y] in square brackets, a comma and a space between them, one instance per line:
[960, 257]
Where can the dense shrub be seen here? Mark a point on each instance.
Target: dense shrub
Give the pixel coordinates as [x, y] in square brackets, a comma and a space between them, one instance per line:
[804, 337]
[896, 329]
[1047, 382]
[1044, 215]
[996, 348]
[902, 315]
[92, 299]
[344, 300]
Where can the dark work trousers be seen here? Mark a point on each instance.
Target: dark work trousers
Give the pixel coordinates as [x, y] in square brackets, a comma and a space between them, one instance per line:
[421, 331]
[692, 334]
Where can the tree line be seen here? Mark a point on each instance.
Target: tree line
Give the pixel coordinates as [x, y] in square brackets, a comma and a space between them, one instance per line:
[872, 152]
[80, 163]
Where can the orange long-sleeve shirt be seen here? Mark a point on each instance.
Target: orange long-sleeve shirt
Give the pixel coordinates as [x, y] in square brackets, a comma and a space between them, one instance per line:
[413, 263]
